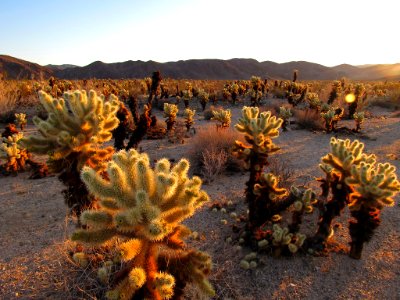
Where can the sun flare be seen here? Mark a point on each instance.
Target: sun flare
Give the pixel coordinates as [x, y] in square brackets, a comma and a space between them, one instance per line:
[350, 98]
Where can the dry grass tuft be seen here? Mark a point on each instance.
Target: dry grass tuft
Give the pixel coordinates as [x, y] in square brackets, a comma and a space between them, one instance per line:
[308, 119]
[210, 152]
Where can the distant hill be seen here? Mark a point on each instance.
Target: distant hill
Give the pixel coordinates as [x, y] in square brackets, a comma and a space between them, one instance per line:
[237, 68]
[60, 67]
[14, 68]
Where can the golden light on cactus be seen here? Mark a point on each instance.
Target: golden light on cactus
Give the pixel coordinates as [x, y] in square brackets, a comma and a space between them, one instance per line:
[350, 98]
[143, 207]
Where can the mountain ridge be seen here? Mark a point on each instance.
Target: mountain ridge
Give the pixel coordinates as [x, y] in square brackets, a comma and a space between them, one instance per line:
[212, 69]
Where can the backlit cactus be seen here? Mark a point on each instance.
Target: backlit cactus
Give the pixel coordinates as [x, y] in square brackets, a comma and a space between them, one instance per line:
[144, 207]
[189, 118]
[71, 135]
[170, 111]
[331, 117]
[335, 92]
[223, 117]
[359, 119]
[12, 155]
[203, 97]
[285, 114]
[259, 129]
[21, 120]
[313, 101]
[354, 178]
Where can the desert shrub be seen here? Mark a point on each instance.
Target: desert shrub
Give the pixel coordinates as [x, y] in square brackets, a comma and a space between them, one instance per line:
[389, 101]
[281, 167]
[308, 119]
[214, 163]
[208, 140]
[208, 113]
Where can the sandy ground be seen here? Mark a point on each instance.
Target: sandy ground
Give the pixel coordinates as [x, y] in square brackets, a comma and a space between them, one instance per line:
[34, 228]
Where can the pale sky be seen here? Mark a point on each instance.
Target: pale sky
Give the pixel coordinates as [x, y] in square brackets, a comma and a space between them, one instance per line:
[82, 31]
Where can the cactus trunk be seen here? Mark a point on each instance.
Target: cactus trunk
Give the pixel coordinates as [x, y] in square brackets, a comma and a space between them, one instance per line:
[362, 228]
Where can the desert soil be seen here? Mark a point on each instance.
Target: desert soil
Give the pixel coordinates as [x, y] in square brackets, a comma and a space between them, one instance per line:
[34, 228]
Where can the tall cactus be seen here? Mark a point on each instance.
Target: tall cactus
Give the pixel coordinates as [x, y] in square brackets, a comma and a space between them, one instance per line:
[259, 129]
[144, 208]
[71, 135]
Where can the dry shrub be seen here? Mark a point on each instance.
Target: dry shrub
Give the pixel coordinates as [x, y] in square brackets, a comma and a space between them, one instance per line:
[308, 119]
[390, 101]
[281, 167]
[178, 134]
[209, 147]
[208, 112]
[214, 162]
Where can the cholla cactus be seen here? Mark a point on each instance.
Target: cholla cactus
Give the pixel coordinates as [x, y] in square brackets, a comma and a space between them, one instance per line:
[305, 199]
[187, 94]
[144, 207]
[259, 130]
[71, 135]
[170, 111]
[21, 120]
[234, 91]
[189, 120]
[203, 98]
[13, 154]
[89, 123]
[223, 117]
[331, 117]
[285, 114]
[359, 119]
[359, 90]
[335, 92]
[282, 238]
[373, 187]
[313, 101]
[353, 177]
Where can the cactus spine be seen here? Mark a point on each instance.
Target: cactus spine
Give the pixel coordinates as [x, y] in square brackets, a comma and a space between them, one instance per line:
[144, 207]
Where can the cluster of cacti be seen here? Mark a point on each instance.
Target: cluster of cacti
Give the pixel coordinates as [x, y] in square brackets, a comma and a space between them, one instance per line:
[285, 114]
[313, 101]
[223, 117]
[354, 178]
[170, 111]
[283, 240]
[144, 207]
[331, 117]
[13, 154]
[71, 135]
[189, 118]
[21, 120]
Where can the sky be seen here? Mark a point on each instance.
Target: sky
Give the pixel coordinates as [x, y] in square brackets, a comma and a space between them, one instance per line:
[80, 32]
